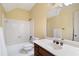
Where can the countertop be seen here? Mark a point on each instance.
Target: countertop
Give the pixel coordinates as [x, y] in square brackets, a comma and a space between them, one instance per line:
[66, 50]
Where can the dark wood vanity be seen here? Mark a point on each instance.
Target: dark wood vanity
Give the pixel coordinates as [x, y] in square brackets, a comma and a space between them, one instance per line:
[44, 47]
[39, 51]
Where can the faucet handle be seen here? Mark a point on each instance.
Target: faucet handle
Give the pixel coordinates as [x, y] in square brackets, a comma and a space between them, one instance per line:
[61, 43]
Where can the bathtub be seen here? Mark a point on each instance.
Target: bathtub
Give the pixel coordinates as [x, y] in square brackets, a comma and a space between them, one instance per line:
[15, 50]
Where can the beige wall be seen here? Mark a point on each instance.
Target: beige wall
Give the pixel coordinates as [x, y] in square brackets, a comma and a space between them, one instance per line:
[50, 24]
[64, 20]
[18, 13]
[2, 12]
[39, 16]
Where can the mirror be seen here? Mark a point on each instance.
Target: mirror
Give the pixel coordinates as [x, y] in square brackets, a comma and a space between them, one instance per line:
[64, 18]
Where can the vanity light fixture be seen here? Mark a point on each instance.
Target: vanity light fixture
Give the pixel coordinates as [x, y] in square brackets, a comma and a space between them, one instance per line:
[60, 4]
[67, 4]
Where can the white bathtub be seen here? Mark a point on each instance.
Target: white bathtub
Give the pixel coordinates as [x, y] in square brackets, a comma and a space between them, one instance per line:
[14, 50]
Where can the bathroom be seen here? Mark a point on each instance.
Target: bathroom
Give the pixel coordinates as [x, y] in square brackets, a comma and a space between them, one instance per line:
[26, 26]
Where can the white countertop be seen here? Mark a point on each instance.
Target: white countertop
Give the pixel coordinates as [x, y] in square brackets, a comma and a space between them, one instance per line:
[67, 50]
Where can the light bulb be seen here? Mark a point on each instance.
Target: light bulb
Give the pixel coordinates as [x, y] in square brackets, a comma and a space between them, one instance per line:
[67, 4]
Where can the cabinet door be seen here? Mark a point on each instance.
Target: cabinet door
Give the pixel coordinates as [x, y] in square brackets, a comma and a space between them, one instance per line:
[43, 52]
[39, 51]
[36, 48]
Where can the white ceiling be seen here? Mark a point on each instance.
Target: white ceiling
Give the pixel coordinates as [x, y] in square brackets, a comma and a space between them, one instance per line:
[10, 6]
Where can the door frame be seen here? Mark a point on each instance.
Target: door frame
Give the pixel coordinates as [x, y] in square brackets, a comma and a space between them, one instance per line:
[73, 20]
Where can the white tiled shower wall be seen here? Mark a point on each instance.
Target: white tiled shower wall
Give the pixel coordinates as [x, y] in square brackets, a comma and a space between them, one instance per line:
[16, 31]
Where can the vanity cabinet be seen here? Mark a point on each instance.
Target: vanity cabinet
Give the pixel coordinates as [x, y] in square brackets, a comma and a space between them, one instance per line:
[39, 51]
